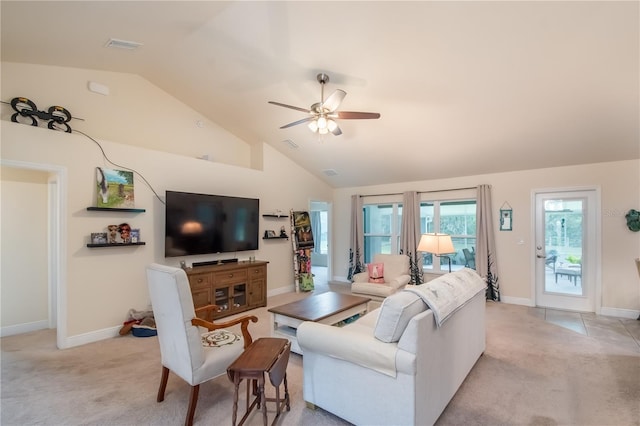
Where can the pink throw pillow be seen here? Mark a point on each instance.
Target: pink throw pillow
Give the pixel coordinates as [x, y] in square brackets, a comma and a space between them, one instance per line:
[376, 272]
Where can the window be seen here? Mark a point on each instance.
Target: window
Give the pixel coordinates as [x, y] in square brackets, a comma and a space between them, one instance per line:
[456, 218]
[382, 227]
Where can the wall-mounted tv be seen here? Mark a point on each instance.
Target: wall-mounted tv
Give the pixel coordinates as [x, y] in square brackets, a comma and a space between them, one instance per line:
[207, 224]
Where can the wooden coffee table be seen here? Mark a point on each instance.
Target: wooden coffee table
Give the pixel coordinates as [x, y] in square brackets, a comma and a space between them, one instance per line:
[330, 308]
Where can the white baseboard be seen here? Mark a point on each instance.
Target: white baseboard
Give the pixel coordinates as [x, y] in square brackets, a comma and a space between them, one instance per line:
[11, 330]
[608, 312]
[94, 336]
[517, 301]
[619, 313]
[281, 290]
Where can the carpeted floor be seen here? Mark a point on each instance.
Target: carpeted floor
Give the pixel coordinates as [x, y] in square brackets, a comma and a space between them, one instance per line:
[532, 373]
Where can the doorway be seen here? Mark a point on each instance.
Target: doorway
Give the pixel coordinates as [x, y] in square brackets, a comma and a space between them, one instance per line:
[55, 243]
[320, 255]
[566, 252]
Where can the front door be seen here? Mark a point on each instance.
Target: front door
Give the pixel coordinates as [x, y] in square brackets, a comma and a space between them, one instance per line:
[565, 250]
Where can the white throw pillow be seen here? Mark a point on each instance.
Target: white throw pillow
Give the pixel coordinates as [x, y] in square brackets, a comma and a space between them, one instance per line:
[395, 313]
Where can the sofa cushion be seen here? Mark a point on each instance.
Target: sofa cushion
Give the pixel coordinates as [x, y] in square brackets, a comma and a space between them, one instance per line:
[395, 313]
[372, 289]
[376, 272]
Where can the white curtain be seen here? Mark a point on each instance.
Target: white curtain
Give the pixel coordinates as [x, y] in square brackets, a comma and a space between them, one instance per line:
[410, 234]
[486, 261]
[356, 248]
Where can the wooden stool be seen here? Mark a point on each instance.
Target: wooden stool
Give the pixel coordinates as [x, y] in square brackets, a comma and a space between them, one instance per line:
[265, 355]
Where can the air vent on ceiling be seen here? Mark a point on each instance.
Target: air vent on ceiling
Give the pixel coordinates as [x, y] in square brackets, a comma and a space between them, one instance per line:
[330, 172]
[122, 44]
[291, 143]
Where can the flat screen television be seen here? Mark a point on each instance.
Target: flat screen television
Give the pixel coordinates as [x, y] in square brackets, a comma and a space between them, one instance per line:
[207, 224]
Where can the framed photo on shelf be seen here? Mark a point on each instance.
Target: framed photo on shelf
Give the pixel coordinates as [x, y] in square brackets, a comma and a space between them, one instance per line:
[114, 188]
[98, 238]
[135, 235]
[270, 233]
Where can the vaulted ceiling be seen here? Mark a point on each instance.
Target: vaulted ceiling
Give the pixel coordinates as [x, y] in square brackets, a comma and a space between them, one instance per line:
[463, 88]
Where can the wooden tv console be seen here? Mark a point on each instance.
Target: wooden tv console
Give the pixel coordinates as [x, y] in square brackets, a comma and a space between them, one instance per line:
[234, 287]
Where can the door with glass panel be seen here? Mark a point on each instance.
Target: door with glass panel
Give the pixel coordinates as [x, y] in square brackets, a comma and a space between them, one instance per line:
[565, 250]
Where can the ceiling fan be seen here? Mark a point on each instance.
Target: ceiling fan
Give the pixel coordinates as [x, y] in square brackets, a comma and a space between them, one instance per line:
[322, 115]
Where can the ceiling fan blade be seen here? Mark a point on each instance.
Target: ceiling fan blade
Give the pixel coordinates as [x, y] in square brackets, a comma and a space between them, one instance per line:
[336, 131]
[295, 123]
[291, 107]
[333, 101]
[352, 115]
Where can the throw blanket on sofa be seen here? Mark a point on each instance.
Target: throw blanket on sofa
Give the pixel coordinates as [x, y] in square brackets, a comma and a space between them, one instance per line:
[448, 293]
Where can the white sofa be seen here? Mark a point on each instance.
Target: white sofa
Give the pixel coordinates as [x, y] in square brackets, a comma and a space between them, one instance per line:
[409, 376]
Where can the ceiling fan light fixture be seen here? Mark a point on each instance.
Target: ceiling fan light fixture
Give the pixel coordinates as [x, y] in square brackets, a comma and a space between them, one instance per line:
[322, 116]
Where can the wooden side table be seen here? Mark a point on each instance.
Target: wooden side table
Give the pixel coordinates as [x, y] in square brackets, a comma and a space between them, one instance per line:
[264, 356]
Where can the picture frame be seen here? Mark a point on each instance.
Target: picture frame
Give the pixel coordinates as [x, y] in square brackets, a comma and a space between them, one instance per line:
[302, 230]
[114, 188]
[135, 235]
[270, 233]
[506, 219]
[98, 238]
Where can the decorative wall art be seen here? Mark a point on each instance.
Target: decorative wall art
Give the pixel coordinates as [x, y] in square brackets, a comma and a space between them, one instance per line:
[115, 188]
[633, 220]
[506, 217]
[302, 244]
[302, 230]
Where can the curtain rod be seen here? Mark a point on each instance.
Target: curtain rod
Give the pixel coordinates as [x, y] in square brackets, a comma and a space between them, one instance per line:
[420, 192]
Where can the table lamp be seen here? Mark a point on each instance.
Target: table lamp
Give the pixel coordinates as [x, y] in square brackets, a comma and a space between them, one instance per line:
[437, 244]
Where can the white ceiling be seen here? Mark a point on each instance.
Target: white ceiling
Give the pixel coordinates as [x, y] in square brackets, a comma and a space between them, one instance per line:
[464, 88]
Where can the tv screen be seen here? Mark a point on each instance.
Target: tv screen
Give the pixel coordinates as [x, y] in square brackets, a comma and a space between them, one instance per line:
[206, 224]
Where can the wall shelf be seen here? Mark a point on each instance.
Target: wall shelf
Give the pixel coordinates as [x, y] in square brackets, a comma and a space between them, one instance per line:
[275, 238]
[116, 244]
[276, 216]
[116, 209]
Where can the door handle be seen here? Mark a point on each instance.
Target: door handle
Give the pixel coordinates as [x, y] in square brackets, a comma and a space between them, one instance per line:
[541, 256]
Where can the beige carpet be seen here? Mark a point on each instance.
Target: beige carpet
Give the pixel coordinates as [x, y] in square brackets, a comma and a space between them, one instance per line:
[532, 373]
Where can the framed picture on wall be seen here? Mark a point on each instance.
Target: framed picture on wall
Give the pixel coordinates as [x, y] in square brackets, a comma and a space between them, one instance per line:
[506, 219]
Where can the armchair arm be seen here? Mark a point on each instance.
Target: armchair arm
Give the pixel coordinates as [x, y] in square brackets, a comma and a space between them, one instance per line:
[361, 277]
[400, 281]
[207, 311]
[351, 346]
[244, 321]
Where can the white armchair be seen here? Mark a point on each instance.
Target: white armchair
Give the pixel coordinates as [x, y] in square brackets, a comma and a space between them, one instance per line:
[180, 338]
[396, 276]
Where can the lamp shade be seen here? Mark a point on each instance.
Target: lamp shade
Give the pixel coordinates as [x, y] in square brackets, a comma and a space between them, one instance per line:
[436, 243]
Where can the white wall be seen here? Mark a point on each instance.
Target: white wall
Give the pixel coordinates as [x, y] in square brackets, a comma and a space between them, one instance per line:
[135, 112]
[24, 277]
[103, 284]
[619, 183]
